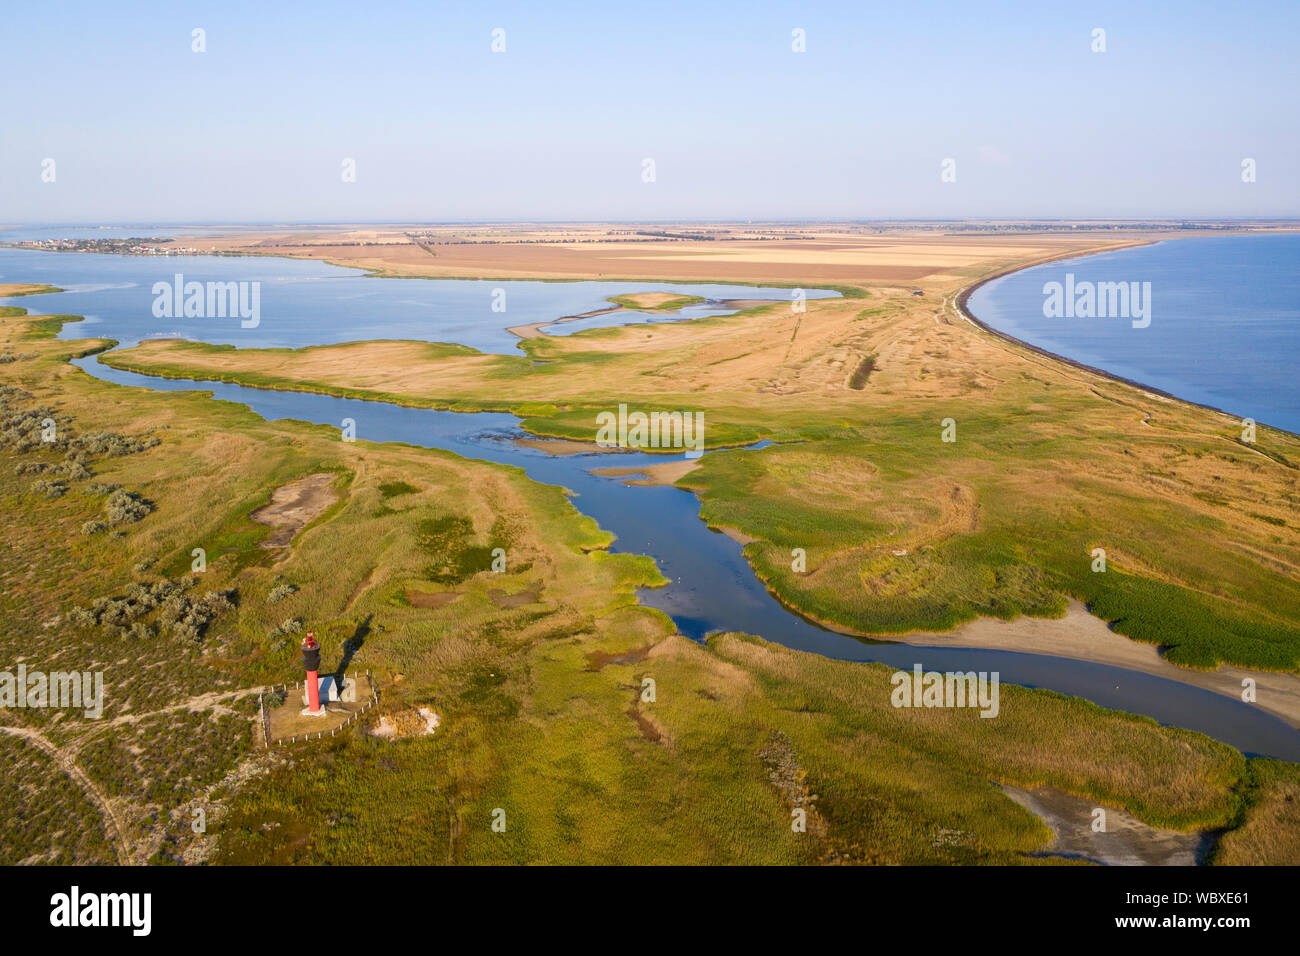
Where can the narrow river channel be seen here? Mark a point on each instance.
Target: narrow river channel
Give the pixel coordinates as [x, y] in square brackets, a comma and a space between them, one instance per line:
[712, 586]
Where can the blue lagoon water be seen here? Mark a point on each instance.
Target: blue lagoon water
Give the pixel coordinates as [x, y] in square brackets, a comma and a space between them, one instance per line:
[304, 302]
[711, 586]
[1225, 320]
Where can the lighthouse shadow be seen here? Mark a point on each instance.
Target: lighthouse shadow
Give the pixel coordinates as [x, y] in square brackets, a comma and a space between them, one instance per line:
[350, 648]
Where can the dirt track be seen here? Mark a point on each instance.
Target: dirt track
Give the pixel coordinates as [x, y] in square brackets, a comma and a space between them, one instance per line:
[113, 826]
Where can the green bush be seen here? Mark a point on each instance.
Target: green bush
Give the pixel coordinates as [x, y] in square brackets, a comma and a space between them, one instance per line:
[125, 506]
[50, 489]
[279, 593]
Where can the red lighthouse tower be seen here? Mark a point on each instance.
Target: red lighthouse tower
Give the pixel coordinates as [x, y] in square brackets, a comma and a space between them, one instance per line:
[311, 664]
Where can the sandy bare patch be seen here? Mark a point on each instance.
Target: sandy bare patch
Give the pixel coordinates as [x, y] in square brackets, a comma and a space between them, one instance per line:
[428, 599]
[652, 300]
[385, 729]
[1081, 636]
[561, 446]
[738, 536]
[1127, 841]
[664, 474]
[8, 289]
[294, 506]
[518, 599]
[417, 722]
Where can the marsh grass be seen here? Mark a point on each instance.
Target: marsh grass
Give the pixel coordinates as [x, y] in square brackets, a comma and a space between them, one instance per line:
[1267, 829]
[635, 301]
[541, 705]
[1051, 462]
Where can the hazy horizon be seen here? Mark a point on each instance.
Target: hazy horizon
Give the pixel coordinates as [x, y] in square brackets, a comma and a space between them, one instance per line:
[257, 128]
[679, 220]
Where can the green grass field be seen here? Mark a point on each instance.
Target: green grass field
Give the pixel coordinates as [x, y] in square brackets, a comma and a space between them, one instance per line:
[541, 700]
[1048, 464]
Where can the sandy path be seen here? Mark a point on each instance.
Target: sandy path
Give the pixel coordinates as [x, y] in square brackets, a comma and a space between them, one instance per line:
[113, 826]
[1080, 636]
[207, 701]
[66, 760]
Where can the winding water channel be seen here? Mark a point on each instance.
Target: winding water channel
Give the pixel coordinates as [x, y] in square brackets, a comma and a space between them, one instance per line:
[711, 584]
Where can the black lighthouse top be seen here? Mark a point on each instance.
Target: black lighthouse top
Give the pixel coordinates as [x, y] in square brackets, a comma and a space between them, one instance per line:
[310, 653]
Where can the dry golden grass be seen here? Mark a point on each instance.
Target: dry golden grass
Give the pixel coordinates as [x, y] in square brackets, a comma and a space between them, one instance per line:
[1050, 457]
[541, 701]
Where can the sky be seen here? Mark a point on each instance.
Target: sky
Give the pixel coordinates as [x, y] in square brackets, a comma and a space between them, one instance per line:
[113, 104]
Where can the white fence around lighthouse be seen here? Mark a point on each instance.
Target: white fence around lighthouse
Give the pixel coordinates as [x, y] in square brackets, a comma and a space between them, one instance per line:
[303, 738]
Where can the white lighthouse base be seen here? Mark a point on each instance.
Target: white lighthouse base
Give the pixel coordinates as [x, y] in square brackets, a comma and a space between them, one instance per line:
[330, 692]
[308, 712]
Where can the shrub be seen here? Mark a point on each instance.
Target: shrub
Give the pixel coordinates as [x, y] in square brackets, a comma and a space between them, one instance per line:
[82, 617]
[163, 588]
[141, 594]
[291, 626]
[219, 602]
[177, 613]
[125, 506]
[21, 428]
[279, 593]
[50, 489]
[111, 444]
[71, 469]
[173, 609]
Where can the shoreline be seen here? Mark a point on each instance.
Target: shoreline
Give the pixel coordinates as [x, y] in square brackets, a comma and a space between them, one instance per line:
[994, 633]
[533, 330]
[1122, 652]
[1080, 636]
[960, 306]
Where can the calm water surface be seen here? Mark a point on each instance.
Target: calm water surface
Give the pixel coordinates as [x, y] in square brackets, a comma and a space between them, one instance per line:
[711, 585]
[1225, 320]
[303, 302]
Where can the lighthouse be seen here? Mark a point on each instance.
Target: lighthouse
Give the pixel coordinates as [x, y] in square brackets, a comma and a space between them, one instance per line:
[311, 664]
